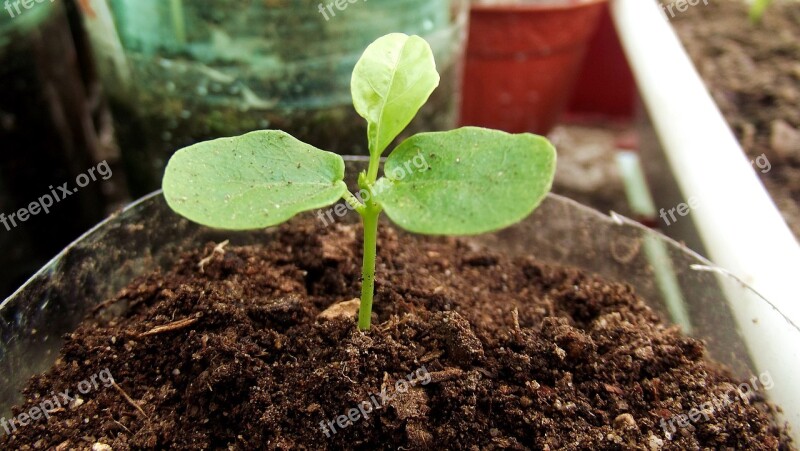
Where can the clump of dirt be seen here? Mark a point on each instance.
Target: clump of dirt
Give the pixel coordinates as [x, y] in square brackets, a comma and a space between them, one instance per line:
[753, 73]
[496, 353]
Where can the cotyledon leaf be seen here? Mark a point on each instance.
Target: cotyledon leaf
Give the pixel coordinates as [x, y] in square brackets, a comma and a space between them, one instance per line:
[256, 180]
[465, 181]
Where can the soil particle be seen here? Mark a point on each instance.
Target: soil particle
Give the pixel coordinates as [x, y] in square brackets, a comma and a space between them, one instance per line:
[346, 309]
[492, 353]
[456, 336]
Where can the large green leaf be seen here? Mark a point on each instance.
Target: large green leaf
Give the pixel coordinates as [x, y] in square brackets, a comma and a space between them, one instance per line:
[251, 181]
[465, 181]
[392, 80]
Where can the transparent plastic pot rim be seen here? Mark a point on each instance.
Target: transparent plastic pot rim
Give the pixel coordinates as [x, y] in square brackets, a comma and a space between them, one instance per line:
[741, 329]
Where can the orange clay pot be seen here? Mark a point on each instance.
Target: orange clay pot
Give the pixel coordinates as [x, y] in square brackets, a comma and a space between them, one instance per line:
[522, 62]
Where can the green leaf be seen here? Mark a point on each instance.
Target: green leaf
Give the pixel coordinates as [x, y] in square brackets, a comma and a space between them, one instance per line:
[392, 80]
[251, 181]
[465, 181]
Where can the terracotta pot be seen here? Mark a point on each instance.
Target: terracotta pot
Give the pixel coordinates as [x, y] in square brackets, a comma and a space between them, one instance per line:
[522, 62]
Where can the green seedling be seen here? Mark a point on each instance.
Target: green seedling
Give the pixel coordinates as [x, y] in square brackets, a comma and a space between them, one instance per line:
[757, 10]
[460, 182]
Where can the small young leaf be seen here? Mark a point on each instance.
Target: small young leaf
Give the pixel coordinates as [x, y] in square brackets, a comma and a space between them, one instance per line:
[757, 9]
[465, 181]
[251, 181]
[392, 80]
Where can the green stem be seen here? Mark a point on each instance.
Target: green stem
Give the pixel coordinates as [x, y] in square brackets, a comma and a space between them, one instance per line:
[370, 215]
[372, 171]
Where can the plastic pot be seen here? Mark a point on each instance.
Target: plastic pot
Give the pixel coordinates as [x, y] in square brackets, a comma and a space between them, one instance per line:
[52, 129]
[178, 72]
[523, 58]
[148, 235]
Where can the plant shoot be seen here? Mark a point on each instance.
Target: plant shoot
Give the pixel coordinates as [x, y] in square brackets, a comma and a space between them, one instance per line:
[474, 180]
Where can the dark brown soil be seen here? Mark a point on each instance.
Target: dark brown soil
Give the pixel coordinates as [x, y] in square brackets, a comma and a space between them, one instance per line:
[753, 73]
[505, 354]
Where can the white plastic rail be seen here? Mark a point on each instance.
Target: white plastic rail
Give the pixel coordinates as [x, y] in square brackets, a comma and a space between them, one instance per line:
[739, 224]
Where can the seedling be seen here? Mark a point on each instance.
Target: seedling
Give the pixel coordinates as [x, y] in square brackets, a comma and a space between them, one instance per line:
[473, 180]
[757, 10]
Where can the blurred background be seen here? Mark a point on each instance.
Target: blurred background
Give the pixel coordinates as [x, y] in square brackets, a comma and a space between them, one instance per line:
[97, 94]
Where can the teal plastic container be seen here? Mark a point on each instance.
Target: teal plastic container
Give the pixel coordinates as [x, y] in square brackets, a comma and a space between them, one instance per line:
[179, 71]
